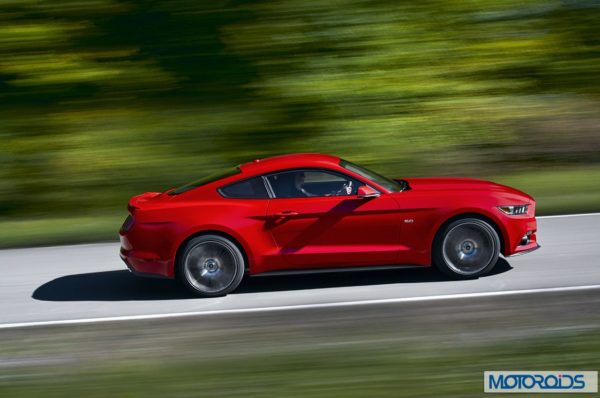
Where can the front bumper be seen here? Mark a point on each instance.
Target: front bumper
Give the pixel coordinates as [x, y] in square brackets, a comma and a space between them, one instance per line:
[526, 250]
[517, 228]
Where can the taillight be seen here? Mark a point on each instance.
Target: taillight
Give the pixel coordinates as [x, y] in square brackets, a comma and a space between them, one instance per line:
[127, 224]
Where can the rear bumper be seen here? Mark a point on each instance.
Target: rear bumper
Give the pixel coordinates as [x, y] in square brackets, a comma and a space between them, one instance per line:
[144, 264]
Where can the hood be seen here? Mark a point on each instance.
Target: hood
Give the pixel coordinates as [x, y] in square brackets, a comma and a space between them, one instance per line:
[461, 184]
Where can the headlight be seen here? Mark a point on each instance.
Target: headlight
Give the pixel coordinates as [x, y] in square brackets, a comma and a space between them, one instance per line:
[514, 210]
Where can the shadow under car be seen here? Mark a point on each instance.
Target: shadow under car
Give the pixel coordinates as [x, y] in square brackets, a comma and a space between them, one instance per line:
[122, 285]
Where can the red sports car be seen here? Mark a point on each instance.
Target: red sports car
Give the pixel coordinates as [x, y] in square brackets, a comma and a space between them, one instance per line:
[311, 211]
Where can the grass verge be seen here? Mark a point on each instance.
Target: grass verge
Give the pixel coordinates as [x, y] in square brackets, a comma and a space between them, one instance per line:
[57, 231]
[354, 369]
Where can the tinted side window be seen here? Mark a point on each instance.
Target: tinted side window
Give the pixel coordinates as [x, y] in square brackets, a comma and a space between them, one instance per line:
[253, 188]
[307, 183]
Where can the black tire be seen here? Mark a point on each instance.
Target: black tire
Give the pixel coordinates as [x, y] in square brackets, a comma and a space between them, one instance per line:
[211, 266]
[466, 248]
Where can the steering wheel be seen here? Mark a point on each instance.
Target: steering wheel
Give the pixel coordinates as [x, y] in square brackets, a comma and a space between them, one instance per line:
[345, 190]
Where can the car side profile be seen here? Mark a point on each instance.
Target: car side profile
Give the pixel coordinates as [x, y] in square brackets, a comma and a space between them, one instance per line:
[305, 212]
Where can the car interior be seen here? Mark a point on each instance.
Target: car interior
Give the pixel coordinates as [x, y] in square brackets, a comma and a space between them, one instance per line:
[307, 183]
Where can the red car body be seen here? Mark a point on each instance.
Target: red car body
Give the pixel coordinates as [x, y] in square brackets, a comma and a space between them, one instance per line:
[279, 234]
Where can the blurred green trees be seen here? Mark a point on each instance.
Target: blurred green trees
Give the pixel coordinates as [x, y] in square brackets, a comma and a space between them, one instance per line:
[103, 99]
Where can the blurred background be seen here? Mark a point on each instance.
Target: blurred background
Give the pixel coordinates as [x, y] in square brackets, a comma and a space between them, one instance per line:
[104, 99]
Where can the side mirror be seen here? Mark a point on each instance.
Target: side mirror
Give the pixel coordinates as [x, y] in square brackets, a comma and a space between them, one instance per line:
[365, 191]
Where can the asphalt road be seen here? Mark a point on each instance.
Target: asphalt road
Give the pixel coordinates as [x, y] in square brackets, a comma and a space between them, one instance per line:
[89, 282]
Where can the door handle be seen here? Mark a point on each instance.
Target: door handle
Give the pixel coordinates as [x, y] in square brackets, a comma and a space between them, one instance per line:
[286, 213]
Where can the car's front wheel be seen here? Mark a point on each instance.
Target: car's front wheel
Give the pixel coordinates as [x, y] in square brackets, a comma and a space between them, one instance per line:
[466, 248]
[211, 265]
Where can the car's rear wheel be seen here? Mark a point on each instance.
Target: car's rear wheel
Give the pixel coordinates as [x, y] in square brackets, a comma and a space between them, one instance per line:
[467, 248]
[211, 265]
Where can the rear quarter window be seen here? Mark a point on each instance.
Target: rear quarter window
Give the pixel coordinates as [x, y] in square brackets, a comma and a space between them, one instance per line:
[205, 180]
[252, 188]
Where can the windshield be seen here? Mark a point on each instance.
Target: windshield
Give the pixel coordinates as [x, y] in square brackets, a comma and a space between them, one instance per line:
[385, 182]
[205, 180]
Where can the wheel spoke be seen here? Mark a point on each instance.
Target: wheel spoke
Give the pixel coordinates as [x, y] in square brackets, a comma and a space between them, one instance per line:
[210, 266]
[468, 248]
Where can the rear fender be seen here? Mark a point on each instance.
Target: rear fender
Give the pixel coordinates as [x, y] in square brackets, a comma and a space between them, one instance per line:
[215, 229]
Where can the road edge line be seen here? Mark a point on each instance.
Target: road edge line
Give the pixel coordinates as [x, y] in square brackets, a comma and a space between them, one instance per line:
[296, 307]
[569, 215]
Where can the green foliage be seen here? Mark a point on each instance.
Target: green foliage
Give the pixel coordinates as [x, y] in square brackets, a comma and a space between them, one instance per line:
[103, 99]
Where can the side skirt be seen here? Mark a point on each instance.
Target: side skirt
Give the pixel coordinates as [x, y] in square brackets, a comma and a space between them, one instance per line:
[338, 270]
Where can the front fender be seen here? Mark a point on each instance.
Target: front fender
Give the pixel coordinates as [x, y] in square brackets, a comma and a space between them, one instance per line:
[470, 211]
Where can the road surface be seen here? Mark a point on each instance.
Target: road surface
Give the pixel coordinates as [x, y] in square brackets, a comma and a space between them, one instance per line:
[89, 283]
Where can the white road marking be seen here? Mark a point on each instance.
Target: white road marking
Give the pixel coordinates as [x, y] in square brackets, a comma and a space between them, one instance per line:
[570, 215]
[298, 307]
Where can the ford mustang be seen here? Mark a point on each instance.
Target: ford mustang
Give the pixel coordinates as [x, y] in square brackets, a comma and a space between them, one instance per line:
[305, 212]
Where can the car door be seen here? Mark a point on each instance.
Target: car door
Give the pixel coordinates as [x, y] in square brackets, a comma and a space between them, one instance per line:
[318, 220]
